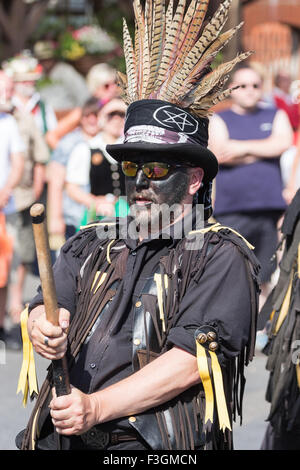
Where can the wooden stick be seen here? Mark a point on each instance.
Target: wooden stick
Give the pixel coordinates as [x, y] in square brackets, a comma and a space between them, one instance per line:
[37, 212]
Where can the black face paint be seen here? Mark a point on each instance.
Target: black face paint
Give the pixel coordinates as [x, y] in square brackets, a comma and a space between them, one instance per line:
[169, 190]
[149, 199]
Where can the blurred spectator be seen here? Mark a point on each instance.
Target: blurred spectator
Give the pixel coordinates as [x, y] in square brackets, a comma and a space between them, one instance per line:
[25, 71]
[64, 213]
[101, 82]
[12, 165]
[248, 140]
[290, 169]
[282, 99]
[92, 178]
[28, 191]
[64, 87]
[58, 231]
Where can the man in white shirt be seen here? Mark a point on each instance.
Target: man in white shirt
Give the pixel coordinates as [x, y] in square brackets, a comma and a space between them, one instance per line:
[25, 70]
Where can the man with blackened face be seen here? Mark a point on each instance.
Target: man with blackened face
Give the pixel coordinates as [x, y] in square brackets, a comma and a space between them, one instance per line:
[158, 331]
[159, 192]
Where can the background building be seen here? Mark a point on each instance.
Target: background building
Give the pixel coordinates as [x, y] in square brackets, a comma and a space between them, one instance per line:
[272, 30]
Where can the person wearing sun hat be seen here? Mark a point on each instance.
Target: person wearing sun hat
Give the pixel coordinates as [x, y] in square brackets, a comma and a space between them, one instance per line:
[27, 191]
[25, 70]
[169, 312]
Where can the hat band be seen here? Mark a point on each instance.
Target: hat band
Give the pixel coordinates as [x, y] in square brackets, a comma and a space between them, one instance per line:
[156, 135]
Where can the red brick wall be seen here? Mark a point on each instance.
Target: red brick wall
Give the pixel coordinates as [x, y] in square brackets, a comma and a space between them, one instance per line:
[261, 11]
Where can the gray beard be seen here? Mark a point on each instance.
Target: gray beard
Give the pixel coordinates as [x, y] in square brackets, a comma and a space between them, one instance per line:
[155, 218]
[158, 216]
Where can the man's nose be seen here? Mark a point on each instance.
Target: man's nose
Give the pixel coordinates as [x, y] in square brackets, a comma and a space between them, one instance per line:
[141, 181]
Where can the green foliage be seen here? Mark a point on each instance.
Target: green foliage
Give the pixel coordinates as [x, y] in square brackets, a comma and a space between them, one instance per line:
[110, 17]
[58, 28]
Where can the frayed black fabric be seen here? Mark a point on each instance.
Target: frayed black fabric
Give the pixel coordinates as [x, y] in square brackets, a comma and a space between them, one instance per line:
[181, 267]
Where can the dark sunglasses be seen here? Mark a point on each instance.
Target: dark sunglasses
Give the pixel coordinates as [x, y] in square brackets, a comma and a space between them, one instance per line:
[153, 170]
[252, 85]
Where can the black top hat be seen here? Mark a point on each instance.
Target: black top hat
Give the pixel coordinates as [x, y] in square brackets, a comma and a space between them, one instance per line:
[162, 131]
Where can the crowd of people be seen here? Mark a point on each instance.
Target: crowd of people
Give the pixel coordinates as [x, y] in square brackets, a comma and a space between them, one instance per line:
[53, 149]
[53, 143]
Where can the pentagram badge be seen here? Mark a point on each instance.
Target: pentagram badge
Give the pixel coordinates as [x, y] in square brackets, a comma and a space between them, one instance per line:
[176, 119]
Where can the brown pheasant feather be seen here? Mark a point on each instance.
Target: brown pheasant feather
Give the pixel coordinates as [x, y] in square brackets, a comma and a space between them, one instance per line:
[171, 43]
[132, 82]
[173, 53]
[157, 34]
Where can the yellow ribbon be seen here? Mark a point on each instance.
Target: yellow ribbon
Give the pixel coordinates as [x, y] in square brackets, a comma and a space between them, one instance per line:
[298, 373]
[34, 430]
[97, 224]
[27, 377]
[203, 369]
[206, 381]
[285, 305]
[224, 421]
[159, 287]
[216, 227]
[108, 251]
[100, 282]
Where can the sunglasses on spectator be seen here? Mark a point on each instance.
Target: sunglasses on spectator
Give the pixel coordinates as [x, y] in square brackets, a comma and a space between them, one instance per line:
[250, 85]
[120, 114]
[152, 170]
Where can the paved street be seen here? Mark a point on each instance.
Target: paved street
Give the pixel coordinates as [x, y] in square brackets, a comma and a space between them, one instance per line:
[13, 417]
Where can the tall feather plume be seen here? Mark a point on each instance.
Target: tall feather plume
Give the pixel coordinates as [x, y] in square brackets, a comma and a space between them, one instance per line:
[173, 53]
[171, 43]
[213, 28]
[132, 81]
[214, 77]
[149, 20]
[123, 83]
[210, 32]
[156, 36]
[191, 33]
[191, 24]
[141, 48]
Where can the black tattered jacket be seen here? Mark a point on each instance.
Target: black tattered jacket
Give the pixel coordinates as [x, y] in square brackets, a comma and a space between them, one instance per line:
[183, 293]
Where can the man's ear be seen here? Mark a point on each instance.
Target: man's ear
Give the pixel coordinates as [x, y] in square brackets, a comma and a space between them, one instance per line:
[196, 177]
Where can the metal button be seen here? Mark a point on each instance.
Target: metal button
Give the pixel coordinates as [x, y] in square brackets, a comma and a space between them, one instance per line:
[201, 338]
[213, 346]
[132, 419]
[211, 336]
[138, 304]
[92, 365]
[136, 342]
[133, 253]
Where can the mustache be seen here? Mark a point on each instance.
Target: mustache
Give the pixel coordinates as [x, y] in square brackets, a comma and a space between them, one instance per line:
[143, 195]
